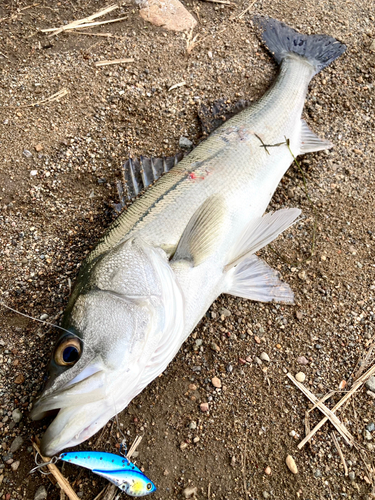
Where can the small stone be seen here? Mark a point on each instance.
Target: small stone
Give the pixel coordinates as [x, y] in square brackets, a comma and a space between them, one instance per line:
[266, 494]
[15, 465]
[299, 314]
[370, 384]
[20, 379]
[190, 491]
[215, 347]
[41, 493]
[204, 407]
[1, 478]
[193, 425]
[229, 368]
[38, 147]
[367, 435]
[196, 440]
[351, 476]
[370, 427]
[264, 357]
[183, 446]
[166, 472]
[300, 377]
[224, 312]
[292, 433]
[257, 360]
[172, 15]
[267, 470]
[192, 387]
[185, 143]
[216, 382]
[318, 473]
[33, 173]
[372, 46]
[370, 446]
[301, 360]
[17, 415]
[209, 53]
[27, 153]
[291, 464]
[16, 445]
[257, 339]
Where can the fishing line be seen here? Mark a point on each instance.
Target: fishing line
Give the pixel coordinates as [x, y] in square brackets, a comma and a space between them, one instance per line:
[40, 321]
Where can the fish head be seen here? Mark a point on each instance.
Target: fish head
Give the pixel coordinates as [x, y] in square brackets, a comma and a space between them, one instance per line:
[117, 340]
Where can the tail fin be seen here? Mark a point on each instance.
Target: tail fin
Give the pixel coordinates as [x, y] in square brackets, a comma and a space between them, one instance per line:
[281, 40]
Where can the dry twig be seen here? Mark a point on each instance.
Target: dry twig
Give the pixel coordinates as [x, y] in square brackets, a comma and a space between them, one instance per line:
[176, 86]
[64, 485]
[113, 61]
[349, 439]
[87, 25]
[357, 384]
[338, 448]
[134, 446]
[224, 2]
[83, 21]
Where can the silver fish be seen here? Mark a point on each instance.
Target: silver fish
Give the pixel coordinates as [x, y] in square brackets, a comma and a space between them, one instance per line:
[192, 236]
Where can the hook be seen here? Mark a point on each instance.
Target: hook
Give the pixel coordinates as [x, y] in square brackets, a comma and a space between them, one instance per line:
[39, 466]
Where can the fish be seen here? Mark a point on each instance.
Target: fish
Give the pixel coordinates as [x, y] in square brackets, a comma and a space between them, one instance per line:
[115, 468]
[191, 236]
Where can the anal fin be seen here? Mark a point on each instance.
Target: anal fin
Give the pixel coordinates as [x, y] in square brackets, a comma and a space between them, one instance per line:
[311, 142]
[253, 279]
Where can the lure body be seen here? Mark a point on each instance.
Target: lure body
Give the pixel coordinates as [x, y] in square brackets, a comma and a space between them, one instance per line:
[115, 468]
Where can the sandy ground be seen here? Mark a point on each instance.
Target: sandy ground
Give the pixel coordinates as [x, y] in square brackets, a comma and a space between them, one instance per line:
[59, 164]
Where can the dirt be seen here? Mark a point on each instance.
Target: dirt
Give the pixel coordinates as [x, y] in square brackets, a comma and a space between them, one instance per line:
[60, 161]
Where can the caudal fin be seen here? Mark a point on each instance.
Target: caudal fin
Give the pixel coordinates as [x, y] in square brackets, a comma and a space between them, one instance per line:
[281, 40]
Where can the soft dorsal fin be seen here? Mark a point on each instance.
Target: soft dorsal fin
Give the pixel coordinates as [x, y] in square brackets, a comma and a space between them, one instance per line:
[139, 174]
[203, 232]
[259, 232]
[311, 142]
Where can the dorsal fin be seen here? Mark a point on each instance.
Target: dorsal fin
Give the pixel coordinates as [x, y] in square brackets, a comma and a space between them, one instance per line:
[140, 173]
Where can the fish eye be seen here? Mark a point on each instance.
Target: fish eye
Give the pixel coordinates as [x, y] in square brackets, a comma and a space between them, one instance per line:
[149, 486]
[68, 352]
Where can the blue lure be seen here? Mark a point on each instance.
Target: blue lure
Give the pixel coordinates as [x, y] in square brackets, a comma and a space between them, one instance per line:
[115, 468]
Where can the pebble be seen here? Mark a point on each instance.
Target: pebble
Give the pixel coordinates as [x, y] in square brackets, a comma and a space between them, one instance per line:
[370, 384]
[196, 439]
[38, 147]
[370, 446]
[33, 173]
[299, 314]
[204, 407]
[370, 427]
[183, 446]
[41, 493]
[193, 425]
[27, 153]
[17, 415]
[224, 312]
[372, 46]
[300, 377]
[16, 445]
[257, 360]
[15, 465]
[318, 473]
[367, 435]
[266, 494]
[264, 357]
[190, 491]
[351, 476]
[291, 464]
[185, 143]
[215, 347]
[301, 360]
[267, 470]
[20, 379]
[216, 382]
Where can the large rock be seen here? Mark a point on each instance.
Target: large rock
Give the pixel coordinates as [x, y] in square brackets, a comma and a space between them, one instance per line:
[170, 14]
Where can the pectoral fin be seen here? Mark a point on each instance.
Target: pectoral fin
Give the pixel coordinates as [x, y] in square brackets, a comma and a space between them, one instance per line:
[203, 232]
[311, 142]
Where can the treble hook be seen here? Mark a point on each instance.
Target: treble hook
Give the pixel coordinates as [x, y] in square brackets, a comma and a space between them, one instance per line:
[39, 466]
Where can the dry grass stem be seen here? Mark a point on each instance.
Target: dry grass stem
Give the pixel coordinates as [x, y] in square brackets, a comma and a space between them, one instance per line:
[240, 16]
[134, 446]
[338, 448]
[324, 398]
[85, 20]
[357, 384]
[98, 64]
[64, 485]
[87, 25]
[58, 95]
[349, 439]
[224, 2]
[110, 492]
[176, 86]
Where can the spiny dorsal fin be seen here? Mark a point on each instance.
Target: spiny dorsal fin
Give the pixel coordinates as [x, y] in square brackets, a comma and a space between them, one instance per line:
[311, 142]
[259, 232]
[141, 173]
[203, 232]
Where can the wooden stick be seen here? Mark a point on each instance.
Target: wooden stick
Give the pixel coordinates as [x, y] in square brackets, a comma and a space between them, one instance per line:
[71, 25]
[338, 448]
[134, 446]
[64, 485]
[349, 439]
[324, 398]
[87, 25]
[176, 86]
[357, 384]
[113, 61]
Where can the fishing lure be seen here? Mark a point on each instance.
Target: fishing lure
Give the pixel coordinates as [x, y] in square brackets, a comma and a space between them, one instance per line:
[115, 468]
